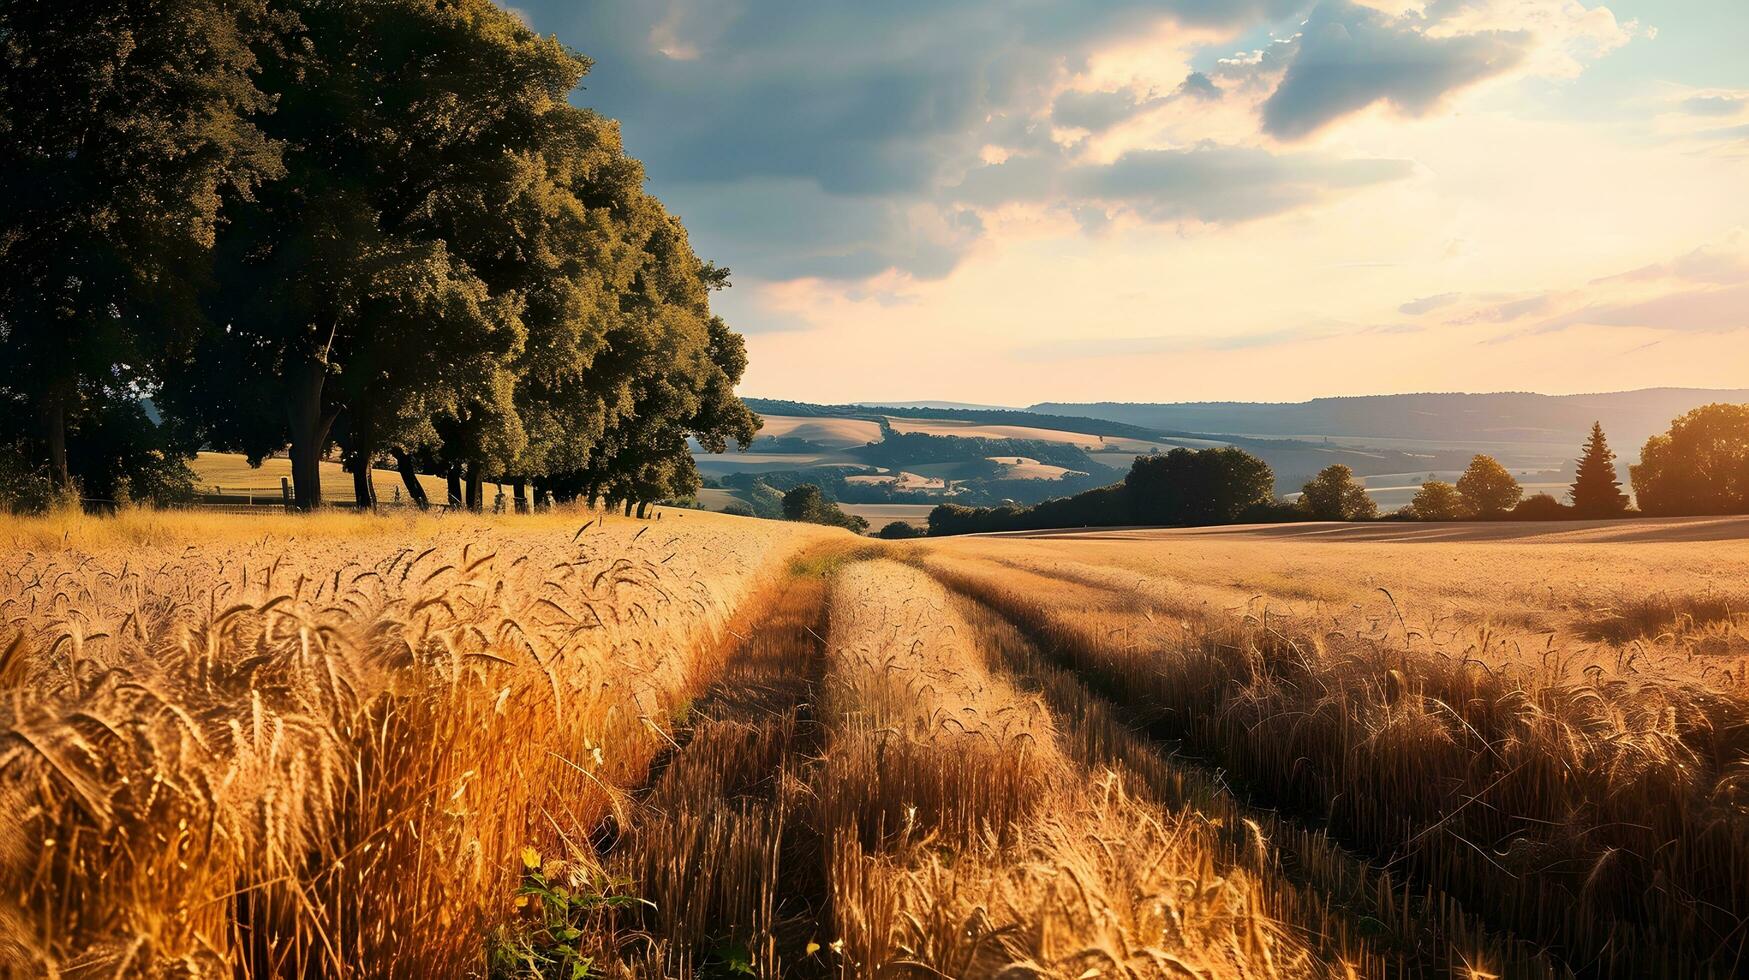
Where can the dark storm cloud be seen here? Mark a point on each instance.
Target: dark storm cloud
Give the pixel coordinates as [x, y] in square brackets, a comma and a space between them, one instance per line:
[1348, 57]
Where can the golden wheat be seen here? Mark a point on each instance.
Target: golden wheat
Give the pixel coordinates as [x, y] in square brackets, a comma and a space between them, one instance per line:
[280, 746]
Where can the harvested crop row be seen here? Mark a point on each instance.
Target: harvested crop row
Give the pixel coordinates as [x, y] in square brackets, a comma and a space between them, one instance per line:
[288, 757]
[963, 842]
[1598, 815]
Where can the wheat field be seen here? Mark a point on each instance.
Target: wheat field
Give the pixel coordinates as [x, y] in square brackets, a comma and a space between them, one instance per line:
[572, 745]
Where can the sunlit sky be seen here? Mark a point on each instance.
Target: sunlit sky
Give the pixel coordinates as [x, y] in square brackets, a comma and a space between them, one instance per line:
[1012, 202]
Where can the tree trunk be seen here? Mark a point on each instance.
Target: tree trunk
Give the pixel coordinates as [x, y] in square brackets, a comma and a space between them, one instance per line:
[363, 487]
[309, 426]
[455, 485]
[55, 431]
[643, 509]
[476, 484]
[519, 490]
[628, 506]
[410, 479]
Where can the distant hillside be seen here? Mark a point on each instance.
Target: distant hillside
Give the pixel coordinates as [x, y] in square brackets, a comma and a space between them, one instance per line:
[974, 406]
[1628, 416]
[1028, 417]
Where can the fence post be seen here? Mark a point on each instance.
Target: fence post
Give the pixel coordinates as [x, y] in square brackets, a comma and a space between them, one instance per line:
[285, 492]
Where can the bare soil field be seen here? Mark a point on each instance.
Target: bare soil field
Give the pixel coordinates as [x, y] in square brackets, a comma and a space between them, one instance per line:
[572, 744]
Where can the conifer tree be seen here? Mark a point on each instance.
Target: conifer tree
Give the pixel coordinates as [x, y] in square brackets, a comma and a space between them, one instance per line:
[1596, 492]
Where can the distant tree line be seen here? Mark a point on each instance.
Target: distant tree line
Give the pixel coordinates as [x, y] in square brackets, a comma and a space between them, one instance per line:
[901, 449]
[301, 224]
[1182, 486]
[1701, 466]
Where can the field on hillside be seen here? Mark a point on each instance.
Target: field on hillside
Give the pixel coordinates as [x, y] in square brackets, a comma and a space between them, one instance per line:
[230, 475]
[570, 745]
[829, 432]
[977, 430]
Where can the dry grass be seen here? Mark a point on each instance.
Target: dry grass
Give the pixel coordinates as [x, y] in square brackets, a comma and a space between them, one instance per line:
[316, 747]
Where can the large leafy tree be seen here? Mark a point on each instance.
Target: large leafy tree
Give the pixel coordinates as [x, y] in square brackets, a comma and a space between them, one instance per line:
[1489, 491]
[123, 126]
[1207, 486]
[1701, 466]
[1437, 501]
[403, 121]
[1335, 495]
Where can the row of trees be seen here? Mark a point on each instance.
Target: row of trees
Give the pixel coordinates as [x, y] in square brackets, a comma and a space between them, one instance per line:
[1701, 466]
[1183, 486]
[297, 223]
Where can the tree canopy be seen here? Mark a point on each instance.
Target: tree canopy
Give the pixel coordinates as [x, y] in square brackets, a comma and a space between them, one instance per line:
[296, 222]
[1335, 495]
[1701, 466]
[1488, 490]
[1437, 501]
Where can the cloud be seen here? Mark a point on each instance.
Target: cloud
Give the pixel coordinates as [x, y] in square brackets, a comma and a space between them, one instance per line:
[1721, 264]
[866, 112]
[1091, 347]
[790, 225]
[1198, 85]
[1428, 304]
[1209, 182]
[1217, 183]
[1702, 291]
[1096, 111]
[840, 139]
[1348, 57]
[1723, 310]
[1713, 105]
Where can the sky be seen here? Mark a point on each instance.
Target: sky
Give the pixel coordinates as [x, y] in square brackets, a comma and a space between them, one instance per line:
[1187, 200]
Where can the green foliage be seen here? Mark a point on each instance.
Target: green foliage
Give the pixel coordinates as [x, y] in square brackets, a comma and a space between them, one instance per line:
[299, 221]
[550, 939]
[898, 450]
[1206, 486]
[1335, 495]
[1701, 466]
[901, 531]
[1541, 507]
[125, 127]
[24, 488]
[1596, 492]
[766, 502]
[1437, 501]
[808, 503]
[1488, 490]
